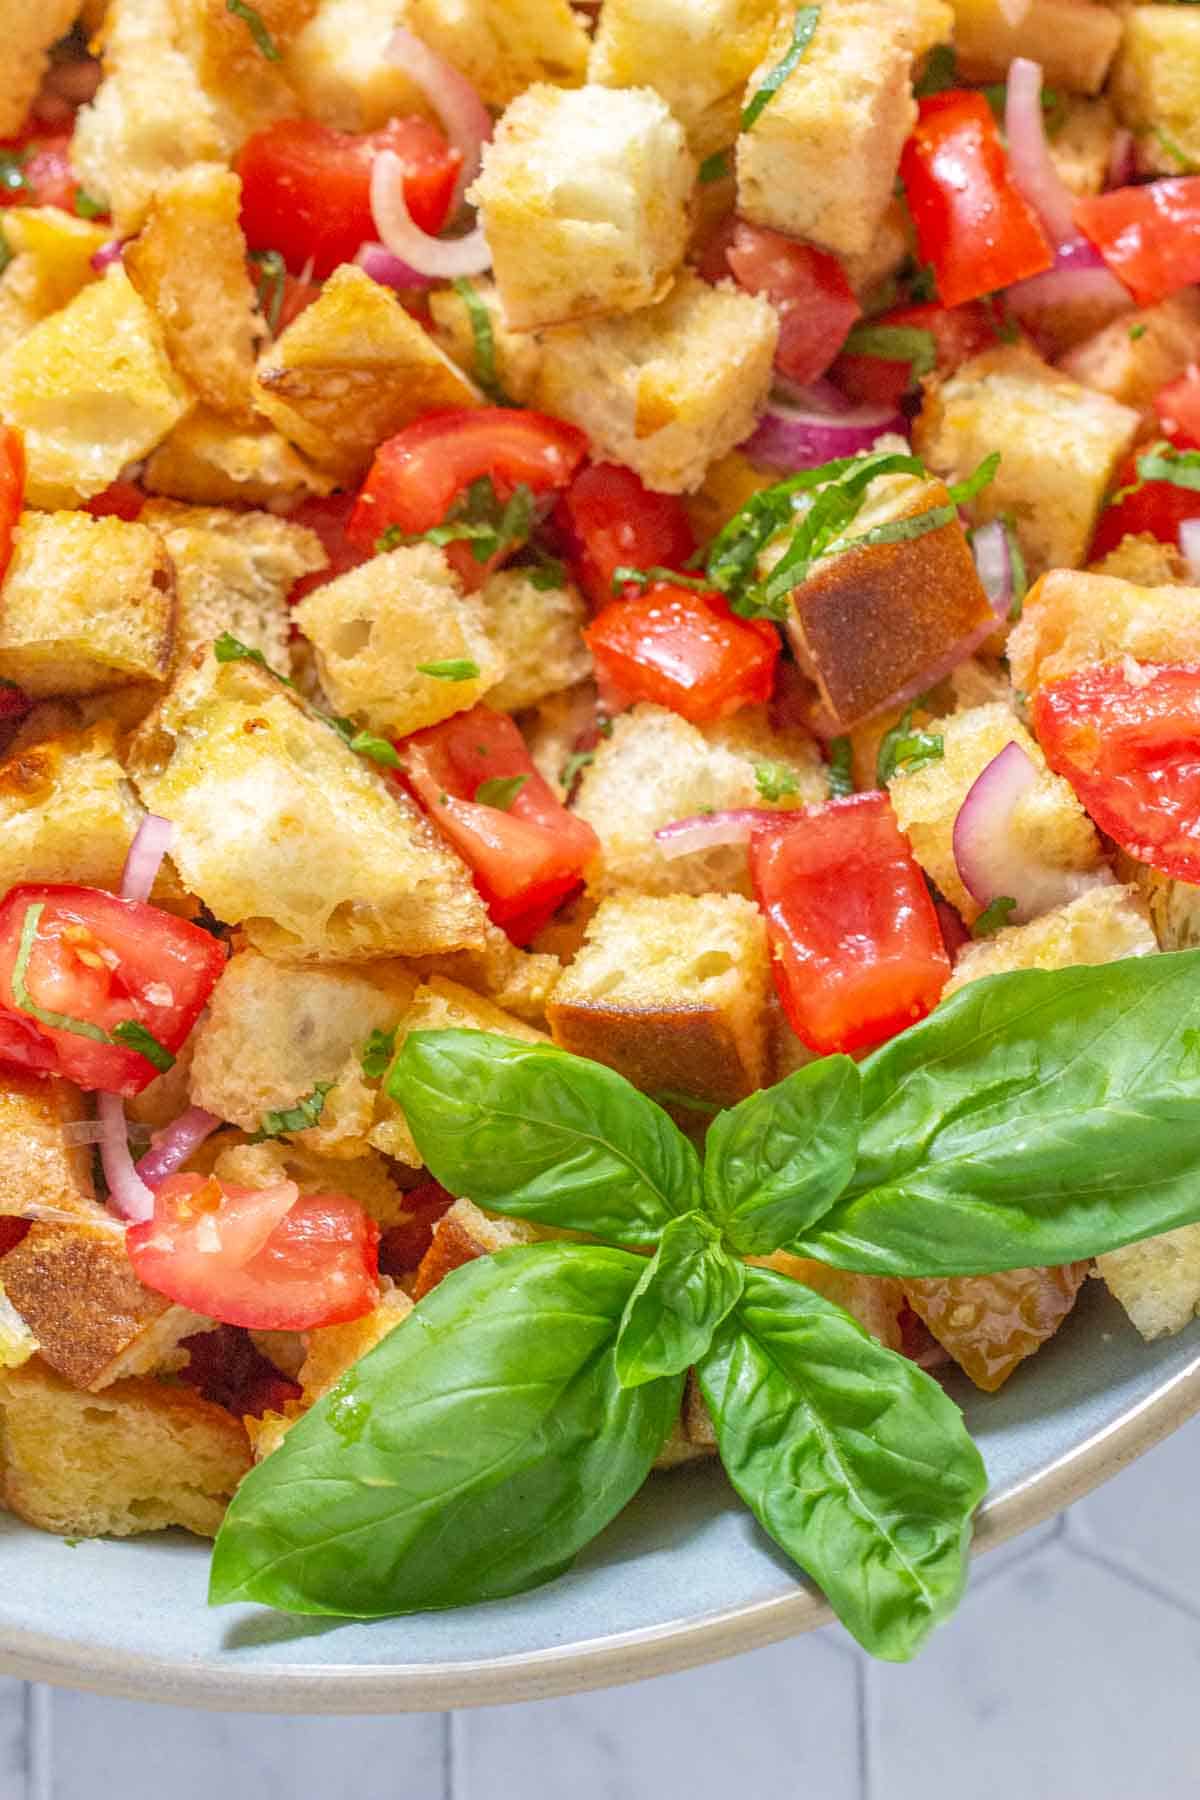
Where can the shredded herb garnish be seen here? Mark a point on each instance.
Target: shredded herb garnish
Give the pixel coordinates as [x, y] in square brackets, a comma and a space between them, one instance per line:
[6, 253]
[573, 768]
[807, 19]
[476, 518]
[714, 168]
[455, 668]
[87, 206]
[365, 743]
[940, 72]
[301, 1117]
[1137, 332]
[624, 577]
[1174, 149]
[903, 750]
[486, 374]
[228, 649]
[840, 770]
[985, 474]
[547, 573]
[272, 284]
[134, 1036]
[993, 918]
[895, 343]
[377, 1054]
[263, 41]
[500, 792]
[775, 781]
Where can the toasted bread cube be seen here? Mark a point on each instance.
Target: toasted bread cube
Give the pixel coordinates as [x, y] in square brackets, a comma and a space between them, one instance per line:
[1158, 1280]
[1132, 368]
[91, 389]
[43, 1173]
[1081, 143]
[1143, 560]
[1060, 445]
[584, 199]
[335, 1348]
[1156, 85]
[669, 389]
[1074, 40]
[517, 981]
[1048, 822]
[1104, 925]
[671, 991]
[820, 161]
[189, 264]
[1073, 620]
[698, 54]
[655, 768]
[504, 46]
[338, 65]
[374, 627]
[51, 260]
[1173, 906]
[516, 355]
[86, 604]
[352, 370]
[368, 1178]
[536, 632]
[281, 827]
[210, 462]
[141, 1456]
[991, 1323]
[461, 1236]
[869, 622]
[884, 258]
[554, 729]
[28, 32]
[233, 572]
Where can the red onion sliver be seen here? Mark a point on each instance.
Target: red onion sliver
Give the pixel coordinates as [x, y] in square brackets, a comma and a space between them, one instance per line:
[107, 254]
[1029, 156]
[1122, 161]
[445, 258]
[792, 437]
[128, 1195]
[170, 1148]
[389, 271]
[464, 118]
[1079, 277]
[709, 831]
[151, 843]
[993, 559]
[991, 865]
[1189, 543]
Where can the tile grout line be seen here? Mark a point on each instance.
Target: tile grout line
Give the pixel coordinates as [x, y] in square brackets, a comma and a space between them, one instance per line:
[1132, 1576]
[455, 1727]
[39, 1754]
[862, 1708]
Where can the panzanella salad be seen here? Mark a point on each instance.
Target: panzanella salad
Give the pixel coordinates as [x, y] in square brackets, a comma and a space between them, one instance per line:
[600, 774]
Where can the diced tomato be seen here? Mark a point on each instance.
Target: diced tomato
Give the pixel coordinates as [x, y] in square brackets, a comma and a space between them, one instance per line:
[973, 225]
[11, 1232]
[1178, 409]
[418, 475]
[958, 332]
[1149, 236]
[527, 856]
[1157, 507]
[328, 516]
[991, 1323]
[12, 489]
[259, 1257]
[684, 650]
[100, 962]
[808, 289]
[610, 520]
[121, 500]
[226, 1367]
[306, 188]
[1131, 751]
[403, 1245]
[857, 951]
[46, 177]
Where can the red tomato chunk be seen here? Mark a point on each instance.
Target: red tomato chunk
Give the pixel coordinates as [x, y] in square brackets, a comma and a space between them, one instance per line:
[12, 490]
[685, 651]
[43, 175]
[808, 289]
[1149, 236]
[958, 332]
[857, 952]
[609, 520]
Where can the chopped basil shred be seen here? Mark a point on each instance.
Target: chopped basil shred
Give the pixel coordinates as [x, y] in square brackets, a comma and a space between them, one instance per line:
[624, 577]
[1137, 332]
[840, 769]
[940, 72]
[807, 19]
[365, 743]
[476, 518]
[482, 332]
[272, 284]
[87, 206]
[302, 1117]
[573, 768]
[455, 668]
[993, 918]
[1162, 462]
[134, 1036]
[775, 781]
[377, 1053]
[902, 531]
[895, 343]
[903, 750]
[263, 41]
[228, 649]
[500, 792]
[547, 574]
[1171, 147]
[714, 168]
[985, 474]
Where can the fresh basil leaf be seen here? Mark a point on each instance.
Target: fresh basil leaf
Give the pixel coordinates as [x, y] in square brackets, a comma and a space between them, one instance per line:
[940, 72]
[87, 206]
[24, 999]
[840, 768]
[133, 1035]
[985, 474]
[470, 1455]
[1163, 462]
[803, 29]
[715, 168]
[903, 531]
[531, 1130]
[624, 577]
[547, 574]
[775, 1163]
[301, 1117]
[685, 1292]
[849, 1456]
[272, 286]
[1033, 1119]
[994, 918]
[903, 750]
[573, 768]
[500, 792]
[895, 343]
[775, 781]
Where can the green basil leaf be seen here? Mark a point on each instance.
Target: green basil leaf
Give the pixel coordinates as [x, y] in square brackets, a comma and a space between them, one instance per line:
[849, 1456]
[841, 768]
[895, 343]
[531, 1130]
[227, 648]
[263, 41]
[302, 1117]
[454, 668]
[994, 918]
[134, 1036]
[486, 374]
[686, 1291]
[775, 781]
[1033, 1119]
[775, 1163]
[715, 168]
[470, 1455]
[377, 1053]
[624, 576]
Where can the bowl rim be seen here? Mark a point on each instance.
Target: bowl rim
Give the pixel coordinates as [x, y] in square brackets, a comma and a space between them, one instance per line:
[333, 1688]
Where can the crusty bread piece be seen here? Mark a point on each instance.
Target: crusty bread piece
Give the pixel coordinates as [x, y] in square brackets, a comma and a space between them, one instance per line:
[460, 1236]
[52, 254]
[1074, 40]
[369, 1178]
[331, 1352]
[1156, 85]
[42, 1173]
[504, 46]
[536, 632]
[1081, 143]
[1173, 906]
[1140, 352]
[212, 462]
[671, 991]
[1144, 560]
[554, 728]
[517, 981]
[1156, 1281]
[141, 1456]
[517, 355]
[1071, 621]
[728, 484]
[27, 33]
[1105, 925]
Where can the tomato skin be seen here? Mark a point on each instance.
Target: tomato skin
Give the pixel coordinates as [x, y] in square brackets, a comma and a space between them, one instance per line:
[204, 1248]
[525, 860]
[12, 490]
[608, 519]
[165, 969]
[857, 952]
[972, 224]
[1149, 236]
[120, 500]
[306, 188]
[1157, 507]
[49, 177]
[328, 516]
[808, 289]
[403, 1246]
[225, 1367]
[1178, 409]
[1132, 755]
[958, 332]
[686, 651]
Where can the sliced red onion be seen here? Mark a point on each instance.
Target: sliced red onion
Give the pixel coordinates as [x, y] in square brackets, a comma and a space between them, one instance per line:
[804, 434]
[389, 271]
[107, 254]
[151, 843]
[1080, 277]
[1029, 156]
[709, 831]
[989, 862]
[170, 1148]
[1122, 160]
[993, 559]
[1189, 543]
[464, 118]
[128, 1195]
[445, 258]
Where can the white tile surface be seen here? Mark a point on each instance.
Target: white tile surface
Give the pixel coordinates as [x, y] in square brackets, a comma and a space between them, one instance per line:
[1146, 1518]
[12, 1740]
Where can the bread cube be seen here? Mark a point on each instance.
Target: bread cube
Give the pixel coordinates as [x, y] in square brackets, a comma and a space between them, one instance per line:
[1132, 368]
[517, 355]
[352, 370]
[671, 991]
[1104, 925]
[1173, 906]
[29, 32]
[517, 981]
[820, 161]
[655, 768]
[42, 1171]
[536, 633]
[1144, 560]
[338, 66]
[1156, 1281]
[367, 1178]
[281, 827]
[211, 462]
[91, 389]
[869, 622]
[189, 264]
[728, 484]
[86, 604]
[669, 389]
[1047, 823]
[141, 1456]
[554, 729]
[1060, 445]
[1156, 85]
[233, 572]
[1072, 620]
[1080, 142]
[1074, 40]
[584, 199]
[461, 1236]
[51, 260]
[885, 256]
[374, 627]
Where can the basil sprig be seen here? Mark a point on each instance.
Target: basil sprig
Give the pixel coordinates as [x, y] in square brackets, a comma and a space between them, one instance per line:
[1034, 1118]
